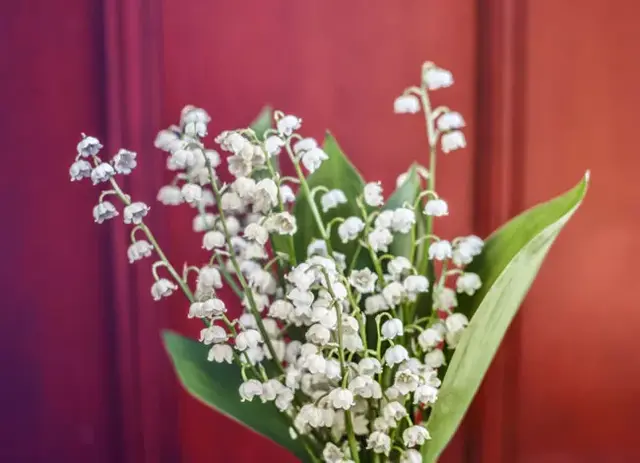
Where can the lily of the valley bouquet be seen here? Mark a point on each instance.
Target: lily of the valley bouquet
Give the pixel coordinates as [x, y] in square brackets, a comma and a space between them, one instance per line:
[361, 333]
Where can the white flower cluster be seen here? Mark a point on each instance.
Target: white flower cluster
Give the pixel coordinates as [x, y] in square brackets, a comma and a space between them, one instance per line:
[357, 348]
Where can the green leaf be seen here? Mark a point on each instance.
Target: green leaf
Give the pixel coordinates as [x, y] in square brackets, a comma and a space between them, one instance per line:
[216, 385]
[335, 172]
[507, 266]
[262, 122]
[405, 193]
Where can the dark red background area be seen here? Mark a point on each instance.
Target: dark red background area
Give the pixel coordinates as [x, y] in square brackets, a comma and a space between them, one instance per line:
[548, 89]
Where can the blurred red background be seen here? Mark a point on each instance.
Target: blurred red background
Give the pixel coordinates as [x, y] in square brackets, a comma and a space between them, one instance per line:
[548, 89]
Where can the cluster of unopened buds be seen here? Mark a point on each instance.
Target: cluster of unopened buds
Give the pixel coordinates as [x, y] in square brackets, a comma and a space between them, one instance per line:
[351, 363]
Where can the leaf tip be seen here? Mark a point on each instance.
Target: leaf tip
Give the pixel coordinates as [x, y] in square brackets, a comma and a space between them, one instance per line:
[587, 175]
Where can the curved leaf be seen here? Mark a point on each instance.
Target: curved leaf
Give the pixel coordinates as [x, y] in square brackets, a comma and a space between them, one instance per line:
[337, 172]
[508, 265]
[216, 385]
[262, 122]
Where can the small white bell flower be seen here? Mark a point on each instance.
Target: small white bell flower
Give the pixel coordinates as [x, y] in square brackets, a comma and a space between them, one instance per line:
[384, 219]
[380, 239]
[445, 299]
[365, 387]
[450, 121]
[393, 411]
[456, 322]
[213, 239]
[270, 390]
[220, 353]
[452, 141]
[369, 366]
[248, 339]
[393, 293]
[364, 281]
[434, 359]
[139, 250]
[250, 389]
[244, 187]
[352, 343]
[406, 104]
[214, 334]
[191, 193]
[168, 139]
[280, 309]
[265, 196]
[430, 338]
[373, 194]
[282, 223]
[125, 161]
[468, 283]
[350, 229]
[315, 363]
[379, 442]
[349, 324]
[135, 212]
[318, 334]
[403, 220]
[341, 399]
[209, 277]
[204, 222]
[415, 436]
[170, 195]
[284, 399]
[434, 77]
[306, 144]
[213, 307]
[273, 145]
[411, 456]
[375, 304]
[332, 199]
[415, 284]
[104, 210]
[313, 158]
[162, 288]
[79, 170]
[332, 454]
[425, 394]
[332, 370]
[286, 194]
[288, 124]
[406, 381]
[398, 266]
[440, 250]
[182, 158]
[392, 328]
[102, 173]
[395, 355]
[89, 146]
[257, 233]
[436, 208]
[231, 202]
[317, 247]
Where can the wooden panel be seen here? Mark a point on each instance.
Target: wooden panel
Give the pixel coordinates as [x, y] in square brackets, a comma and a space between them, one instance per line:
[579, 372]
[339, 65]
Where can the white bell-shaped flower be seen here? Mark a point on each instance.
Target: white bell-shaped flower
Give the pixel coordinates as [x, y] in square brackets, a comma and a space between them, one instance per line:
[434, 77]
[373, 194]
[392, 328]
[104, 210]
[450, 121]
[452, 141]
[135, 212]
[341, 399]
[250, 389]
[79, 170]
[124, 161]
[440, 250]
[403, 220]
[162, 288]
[395, 355]
[415, 436]
[379, 442]
[350, 229]
[286, 125]
[102, 173]
[406, 104]
[436, 208]
[139, 250]
[468, 283]
[220, 353]
[380, 239]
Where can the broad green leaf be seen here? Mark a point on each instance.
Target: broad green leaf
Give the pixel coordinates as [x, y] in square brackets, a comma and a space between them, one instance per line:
[262, 122]
[216, 385]
[507, 266]
[405, 193]
[337, 172]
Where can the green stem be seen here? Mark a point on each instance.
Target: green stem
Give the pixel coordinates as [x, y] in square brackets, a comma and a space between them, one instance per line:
[243, 283]
[307, 192]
